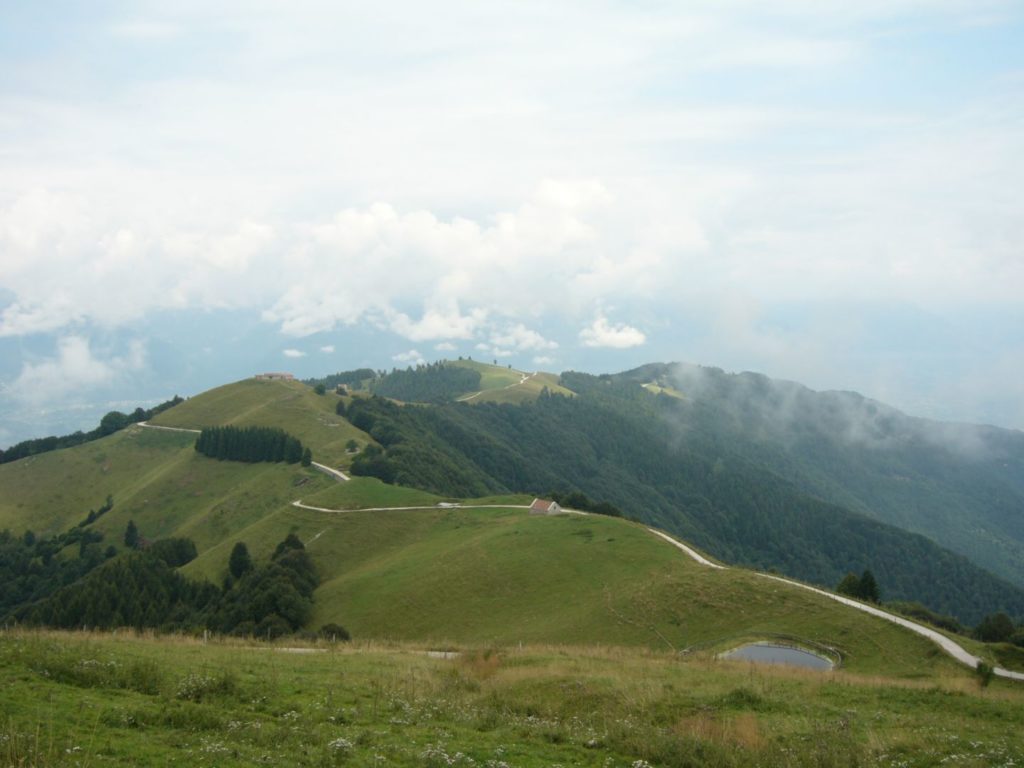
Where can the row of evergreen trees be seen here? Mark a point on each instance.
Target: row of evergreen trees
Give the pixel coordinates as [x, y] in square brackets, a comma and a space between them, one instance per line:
[252, 444]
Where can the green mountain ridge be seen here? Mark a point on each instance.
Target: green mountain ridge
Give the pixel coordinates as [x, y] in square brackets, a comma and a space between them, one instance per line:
[499, 576]
[618, 442]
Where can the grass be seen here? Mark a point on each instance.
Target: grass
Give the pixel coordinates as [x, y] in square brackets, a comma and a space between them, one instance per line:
[86, 699]
[361, 492]
[503, 576]
[658, 389]
[366, 492]
[505, 385]
[53, 491]
[290, 405]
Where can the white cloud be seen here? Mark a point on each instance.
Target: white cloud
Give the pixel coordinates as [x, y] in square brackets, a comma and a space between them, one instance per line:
[412, 357]
[601, 333]
[520, 338]
[327, 349]
[145, 30]
[531, 167]
[74, 368]
[293, 353]
[445, 346]
[543, 360]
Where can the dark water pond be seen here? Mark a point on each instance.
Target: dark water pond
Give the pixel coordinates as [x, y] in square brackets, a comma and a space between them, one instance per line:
[770, 653]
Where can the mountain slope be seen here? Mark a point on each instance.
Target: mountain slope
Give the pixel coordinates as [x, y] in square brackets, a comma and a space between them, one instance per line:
[961, 485]
[503, 576]
[289, 405]
[617, 442]
[612, 439]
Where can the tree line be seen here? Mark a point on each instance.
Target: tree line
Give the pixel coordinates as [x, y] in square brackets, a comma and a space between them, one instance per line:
[112, 422]
[354, 379]
[252, 444]
[431, 383]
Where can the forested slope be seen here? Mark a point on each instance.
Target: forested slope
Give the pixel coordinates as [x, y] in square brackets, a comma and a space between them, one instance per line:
[961, 485]
[619, 443]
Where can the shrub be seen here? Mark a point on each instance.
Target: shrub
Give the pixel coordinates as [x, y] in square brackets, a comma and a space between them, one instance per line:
[334, 633]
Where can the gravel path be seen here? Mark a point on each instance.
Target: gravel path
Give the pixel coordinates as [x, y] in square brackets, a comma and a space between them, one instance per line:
[954, 649]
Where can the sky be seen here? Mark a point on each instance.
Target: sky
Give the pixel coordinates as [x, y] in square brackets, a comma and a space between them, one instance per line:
[193, 192]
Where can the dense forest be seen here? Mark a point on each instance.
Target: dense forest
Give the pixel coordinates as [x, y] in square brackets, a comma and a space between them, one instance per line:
[102, 589]
[961, 485]
[619, 443]
[434, 383]
[251, 444]
[109, 424]
[32, 568]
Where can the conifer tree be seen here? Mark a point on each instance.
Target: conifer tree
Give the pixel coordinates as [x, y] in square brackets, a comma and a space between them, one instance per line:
[131, 535]
[239, 563]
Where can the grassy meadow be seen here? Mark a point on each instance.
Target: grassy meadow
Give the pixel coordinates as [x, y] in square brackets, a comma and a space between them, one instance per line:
[505, 385]
[89, 699]
[289, 405]
[502, 576]
[53, 491]
[156, 479]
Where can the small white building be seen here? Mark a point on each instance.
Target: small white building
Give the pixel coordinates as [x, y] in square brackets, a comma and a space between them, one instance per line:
[274, 376]
[545, 507]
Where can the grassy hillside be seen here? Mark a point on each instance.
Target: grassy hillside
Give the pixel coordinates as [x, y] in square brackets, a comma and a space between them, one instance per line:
[290, 405]
[506, 385]
[74, 699]
[50, 492]
[503, 576]
[156, 479]
[616, 442]
[361, 492]
[443, 575]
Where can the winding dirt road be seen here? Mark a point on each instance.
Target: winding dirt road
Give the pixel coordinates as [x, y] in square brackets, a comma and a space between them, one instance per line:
[954, 649]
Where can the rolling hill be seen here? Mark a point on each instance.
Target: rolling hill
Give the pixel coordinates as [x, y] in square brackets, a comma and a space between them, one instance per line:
[646, 453]
[487, 572]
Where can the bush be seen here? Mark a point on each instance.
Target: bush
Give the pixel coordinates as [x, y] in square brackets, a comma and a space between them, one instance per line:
[273, 627]
[174, 552]
[994, 628]
[985, 673]
[335, 633]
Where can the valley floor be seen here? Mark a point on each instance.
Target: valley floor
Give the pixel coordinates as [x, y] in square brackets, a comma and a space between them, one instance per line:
[100, 699]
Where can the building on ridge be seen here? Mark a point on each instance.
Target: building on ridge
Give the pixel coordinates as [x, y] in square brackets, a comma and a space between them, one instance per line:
[545, 507]
[274, 376]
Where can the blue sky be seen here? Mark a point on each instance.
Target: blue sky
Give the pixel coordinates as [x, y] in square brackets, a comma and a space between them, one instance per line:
[193, 192]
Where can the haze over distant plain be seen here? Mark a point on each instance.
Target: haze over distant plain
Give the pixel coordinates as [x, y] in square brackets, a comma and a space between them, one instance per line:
[820, 192]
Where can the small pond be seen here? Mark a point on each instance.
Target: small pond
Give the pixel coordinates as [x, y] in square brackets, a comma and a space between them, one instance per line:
[771, 653]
